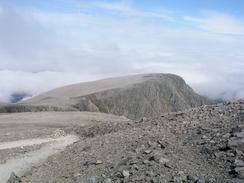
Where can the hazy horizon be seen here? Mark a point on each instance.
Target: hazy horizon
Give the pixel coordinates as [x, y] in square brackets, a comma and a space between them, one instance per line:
[48, 44]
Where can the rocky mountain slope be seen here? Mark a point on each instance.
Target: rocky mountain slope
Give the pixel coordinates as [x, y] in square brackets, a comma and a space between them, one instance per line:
[200, 145]
[132, 96]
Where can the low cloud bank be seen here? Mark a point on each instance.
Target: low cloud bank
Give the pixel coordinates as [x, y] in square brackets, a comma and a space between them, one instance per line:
[12, 82]
[41, 50]
[226, 88]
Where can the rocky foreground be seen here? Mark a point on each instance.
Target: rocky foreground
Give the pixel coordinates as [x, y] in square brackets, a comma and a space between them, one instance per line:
[200, 145]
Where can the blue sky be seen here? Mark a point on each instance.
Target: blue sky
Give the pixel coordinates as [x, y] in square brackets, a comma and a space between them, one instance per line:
[57, 42]
[181, 6]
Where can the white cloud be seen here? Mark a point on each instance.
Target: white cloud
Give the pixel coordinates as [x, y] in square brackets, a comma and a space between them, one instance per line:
[40, 50]
[225, 86]
[217, 22]
[126, 8]
[35, 83]
[54, 19]
[1, 10]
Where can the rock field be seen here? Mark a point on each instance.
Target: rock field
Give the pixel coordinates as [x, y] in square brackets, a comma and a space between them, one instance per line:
[199, 145]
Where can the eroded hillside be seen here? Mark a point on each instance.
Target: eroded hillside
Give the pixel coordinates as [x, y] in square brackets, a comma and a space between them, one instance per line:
[132, 96]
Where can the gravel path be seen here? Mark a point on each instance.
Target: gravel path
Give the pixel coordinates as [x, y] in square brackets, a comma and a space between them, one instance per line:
[21, 164]
[28, 139]
[23, 143]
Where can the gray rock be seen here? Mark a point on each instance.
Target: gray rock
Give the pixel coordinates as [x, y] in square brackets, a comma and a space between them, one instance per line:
[234, 181]
[240, 172]
[239, 169]
[143, 119]
[148, 151]
[126, 173]
[142, 147]
[227, 135]
[170, 164]
[239, 163]
[230, 154]
[211, 180]
[192, 178]
[201, 179]
[235, 142]
[240, 134]
[180, 177]
[92, 179]
[107, 180]
[149, 173]
[14, 178]
[147, 162]
[219, 154]
[99, 162]
[163, 161]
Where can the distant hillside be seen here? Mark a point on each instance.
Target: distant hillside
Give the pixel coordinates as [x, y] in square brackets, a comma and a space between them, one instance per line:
[18, 96]
[135, 96]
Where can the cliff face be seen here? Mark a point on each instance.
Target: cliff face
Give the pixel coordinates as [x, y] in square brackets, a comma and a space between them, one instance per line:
[146, 99]
[133, 96]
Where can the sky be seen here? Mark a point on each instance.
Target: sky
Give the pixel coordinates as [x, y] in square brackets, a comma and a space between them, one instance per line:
[50, 43]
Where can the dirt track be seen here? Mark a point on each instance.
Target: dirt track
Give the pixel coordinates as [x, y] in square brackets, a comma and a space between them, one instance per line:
[28, 139]
[200, 145]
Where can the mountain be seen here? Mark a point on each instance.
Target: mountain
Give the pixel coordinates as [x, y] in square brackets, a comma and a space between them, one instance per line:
[18, 96]
[133, 96]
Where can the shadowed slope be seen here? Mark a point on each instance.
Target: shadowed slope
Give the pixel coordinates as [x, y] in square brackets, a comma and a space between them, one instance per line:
[132, 96]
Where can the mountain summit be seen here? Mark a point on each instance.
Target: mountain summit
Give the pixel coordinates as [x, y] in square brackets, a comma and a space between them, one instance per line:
[133, 96]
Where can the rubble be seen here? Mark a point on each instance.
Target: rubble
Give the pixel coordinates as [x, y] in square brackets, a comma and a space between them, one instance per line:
[200, 145]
